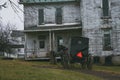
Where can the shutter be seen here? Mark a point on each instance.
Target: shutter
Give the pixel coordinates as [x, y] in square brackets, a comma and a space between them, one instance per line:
[41, 16]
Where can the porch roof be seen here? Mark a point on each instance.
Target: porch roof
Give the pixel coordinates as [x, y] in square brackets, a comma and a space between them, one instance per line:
[53, 28]
[44, 1]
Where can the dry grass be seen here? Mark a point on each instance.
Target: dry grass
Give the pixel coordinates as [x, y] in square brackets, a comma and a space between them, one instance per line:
[23, 70]
[111, 69]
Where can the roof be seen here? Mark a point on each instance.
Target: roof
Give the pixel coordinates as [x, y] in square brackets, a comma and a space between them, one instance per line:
[44, 1]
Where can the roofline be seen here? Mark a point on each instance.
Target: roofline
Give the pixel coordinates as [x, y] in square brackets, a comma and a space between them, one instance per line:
[58, 29]
[48, 2]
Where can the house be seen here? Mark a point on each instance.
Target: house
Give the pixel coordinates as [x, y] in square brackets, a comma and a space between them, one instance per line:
[18, 40]
[50, 23]
[17, 44]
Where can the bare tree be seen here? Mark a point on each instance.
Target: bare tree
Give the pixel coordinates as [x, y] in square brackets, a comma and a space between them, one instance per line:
[5, 43]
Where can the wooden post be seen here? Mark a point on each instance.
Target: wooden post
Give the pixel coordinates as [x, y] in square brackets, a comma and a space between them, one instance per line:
[52, 53]
[53, 41]
[25, 48]
[50, 41]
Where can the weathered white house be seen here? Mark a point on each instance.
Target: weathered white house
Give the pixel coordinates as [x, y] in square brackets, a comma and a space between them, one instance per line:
[50, 23]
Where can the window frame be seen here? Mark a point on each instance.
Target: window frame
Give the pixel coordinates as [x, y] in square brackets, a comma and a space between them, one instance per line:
[107, 37]
[41, 17]
[42, 38]
[109, 9]
[43, 44]
[59, 17]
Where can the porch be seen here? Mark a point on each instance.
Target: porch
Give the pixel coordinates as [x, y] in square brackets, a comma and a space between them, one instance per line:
[38, 44]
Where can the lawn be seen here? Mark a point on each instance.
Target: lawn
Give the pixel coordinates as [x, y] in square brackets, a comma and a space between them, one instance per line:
[111, 69]
[26, 70]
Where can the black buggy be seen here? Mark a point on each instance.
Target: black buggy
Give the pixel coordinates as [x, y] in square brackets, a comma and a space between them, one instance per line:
[78, 53]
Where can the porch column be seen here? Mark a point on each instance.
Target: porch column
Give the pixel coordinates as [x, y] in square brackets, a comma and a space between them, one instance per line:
[50, 40]
[52, 53]
[25, 46]
[53, 41]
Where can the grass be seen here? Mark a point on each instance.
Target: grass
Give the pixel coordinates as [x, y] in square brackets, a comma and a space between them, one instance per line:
[24, 70]
[112, 69]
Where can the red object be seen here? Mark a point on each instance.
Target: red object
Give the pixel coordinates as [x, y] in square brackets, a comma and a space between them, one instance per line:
[79, 54]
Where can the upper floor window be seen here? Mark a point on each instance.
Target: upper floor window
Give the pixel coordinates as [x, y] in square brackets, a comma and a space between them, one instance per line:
[41, 16]
[58, 16]
[105, 5]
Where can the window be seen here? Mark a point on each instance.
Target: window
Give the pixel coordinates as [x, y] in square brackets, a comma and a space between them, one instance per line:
[107, 40]
[42, 44]
[23, 38]
[105, 5]
[41, 16]
[41, 39]
[58, 15]
[59, 42]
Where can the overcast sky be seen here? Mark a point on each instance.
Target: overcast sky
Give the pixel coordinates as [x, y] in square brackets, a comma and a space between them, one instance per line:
[10, 15]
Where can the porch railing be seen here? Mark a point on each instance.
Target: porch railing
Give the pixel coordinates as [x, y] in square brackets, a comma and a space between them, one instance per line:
[32, 53]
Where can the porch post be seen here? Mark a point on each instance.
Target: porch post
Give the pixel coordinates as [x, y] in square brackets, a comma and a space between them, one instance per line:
[53, 41]
[52, 46]
[50, 41]
[25, 47]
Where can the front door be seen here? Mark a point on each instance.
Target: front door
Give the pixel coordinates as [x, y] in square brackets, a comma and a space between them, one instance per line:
[42, 45]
